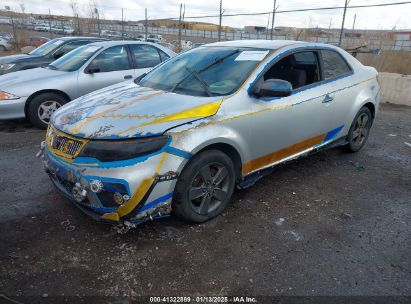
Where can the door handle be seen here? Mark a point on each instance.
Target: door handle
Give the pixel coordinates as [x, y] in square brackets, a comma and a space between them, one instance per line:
[128, 76]
[327, 99]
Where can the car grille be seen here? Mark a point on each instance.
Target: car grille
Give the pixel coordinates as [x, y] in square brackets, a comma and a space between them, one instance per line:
[63, 145]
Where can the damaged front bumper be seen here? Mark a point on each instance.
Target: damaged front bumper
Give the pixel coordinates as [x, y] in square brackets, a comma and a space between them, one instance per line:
[125, 195]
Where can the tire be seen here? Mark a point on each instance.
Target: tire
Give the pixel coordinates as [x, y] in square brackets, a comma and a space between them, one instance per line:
[2, 48]
[210, 178]
[359, 131]
[42, 106]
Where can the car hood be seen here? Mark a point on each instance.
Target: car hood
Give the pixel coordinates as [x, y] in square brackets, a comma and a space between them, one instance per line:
[17, 58]
[22, 78]
[127, 110]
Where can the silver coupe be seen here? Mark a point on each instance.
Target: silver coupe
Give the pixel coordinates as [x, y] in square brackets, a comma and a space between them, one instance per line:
[218, 116]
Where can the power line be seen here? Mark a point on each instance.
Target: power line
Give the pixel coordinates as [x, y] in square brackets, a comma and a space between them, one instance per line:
[297, 10]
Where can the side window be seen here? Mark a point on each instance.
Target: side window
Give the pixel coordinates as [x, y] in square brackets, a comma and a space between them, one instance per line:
[145, 56]
[334, 65]
[300, 69]
[111, 59]
[71, 46]
[163, 55]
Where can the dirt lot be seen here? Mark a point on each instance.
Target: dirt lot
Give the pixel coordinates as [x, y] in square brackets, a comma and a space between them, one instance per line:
[329, 224]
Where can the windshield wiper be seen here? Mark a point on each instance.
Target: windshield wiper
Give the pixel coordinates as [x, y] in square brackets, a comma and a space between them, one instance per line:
[200, 79]
[218, 60]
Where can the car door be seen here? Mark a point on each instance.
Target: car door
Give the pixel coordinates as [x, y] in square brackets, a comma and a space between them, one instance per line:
[110, 66]
[336, 70]
[145, 57]
[286, 126]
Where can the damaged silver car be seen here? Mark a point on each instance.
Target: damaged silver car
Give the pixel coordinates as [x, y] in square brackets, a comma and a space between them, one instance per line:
[183, 136]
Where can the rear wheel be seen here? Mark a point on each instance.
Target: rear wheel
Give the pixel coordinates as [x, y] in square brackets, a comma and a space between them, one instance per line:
[2, 48]
[204, 187]
[359, 131]
[42, 107]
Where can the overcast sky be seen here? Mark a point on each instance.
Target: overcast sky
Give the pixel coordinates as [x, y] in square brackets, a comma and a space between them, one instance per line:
[367, 18]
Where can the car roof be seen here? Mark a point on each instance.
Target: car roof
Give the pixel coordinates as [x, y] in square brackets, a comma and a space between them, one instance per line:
[263, 44]
[120, 42]
[80, 38]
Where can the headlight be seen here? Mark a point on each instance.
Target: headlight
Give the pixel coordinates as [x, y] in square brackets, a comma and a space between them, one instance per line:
[6, 66]
[7, 96]
[115, 150]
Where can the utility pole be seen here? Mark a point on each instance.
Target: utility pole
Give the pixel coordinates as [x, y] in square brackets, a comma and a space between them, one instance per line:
[353, 24]
[343, 21]
[146, 26]
[51, 33]
[98, 21]
[221, 17]
[78, 25]
[122, 23]
[179, 28]
[272, 21]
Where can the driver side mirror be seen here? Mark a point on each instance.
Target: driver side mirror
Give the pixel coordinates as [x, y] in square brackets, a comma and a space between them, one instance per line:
[274, 88]
[58, 54]
[92, 70]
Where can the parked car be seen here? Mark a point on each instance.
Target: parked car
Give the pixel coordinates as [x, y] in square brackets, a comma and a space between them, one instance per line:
[36, 41]
[5, 44]
[140, 38]
[42, 28]
[212, 118]
[37, 93]
[110, 34]
[44, 54]
[154, 38]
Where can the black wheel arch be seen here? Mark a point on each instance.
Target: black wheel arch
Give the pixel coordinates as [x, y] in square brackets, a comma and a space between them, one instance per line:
[231, 152]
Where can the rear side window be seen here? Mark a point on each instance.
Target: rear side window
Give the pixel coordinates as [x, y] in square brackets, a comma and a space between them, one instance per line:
[334, 65]
[145, 56]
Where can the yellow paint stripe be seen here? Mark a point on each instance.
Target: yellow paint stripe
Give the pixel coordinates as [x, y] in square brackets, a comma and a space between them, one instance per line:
[276, 156]
[140, 192]
[136, 197]
[197, 112]
[111, 216]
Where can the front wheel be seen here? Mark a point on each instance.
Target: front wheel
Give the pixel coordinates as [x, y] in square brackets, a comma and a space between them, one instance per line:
[42, 107]
[204, 187]
[359, 131]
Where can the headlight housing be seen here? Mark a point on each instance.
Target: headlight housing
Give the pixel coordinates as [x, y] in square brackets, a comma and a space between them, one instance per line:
[7, 96]
[6, 66]
[116, 150]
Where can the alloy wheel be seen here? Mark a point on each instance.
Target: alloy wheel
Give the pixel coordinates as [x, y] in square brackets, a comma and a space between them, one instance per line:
[46, 109]
[209, 188]
[361, 129]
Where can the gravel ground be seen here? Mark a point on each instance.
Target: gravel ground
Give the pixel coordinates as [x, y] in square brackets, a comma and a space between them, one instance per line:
[329, 224]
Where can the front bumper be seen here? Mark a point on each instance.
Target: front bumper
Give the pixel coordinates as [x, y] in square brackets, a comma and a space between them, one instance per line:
[146, 186]
[12, 109]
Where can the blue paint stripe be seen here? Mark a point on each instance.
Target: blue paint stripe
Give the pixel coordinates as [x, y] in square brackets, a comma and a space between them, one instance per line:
[178, 152]
[332, 134]
[157, 201]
